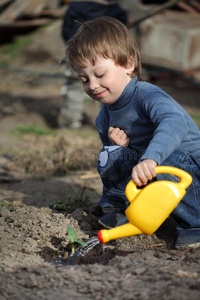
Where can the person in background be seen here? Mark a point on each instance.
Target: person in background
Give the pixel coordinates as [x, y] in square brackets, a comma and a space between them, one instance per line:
[78, 12]
[139, 124]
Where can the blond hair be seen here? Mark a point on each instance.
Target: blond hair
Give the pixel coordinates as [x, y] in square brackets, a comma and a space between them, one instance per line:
[106, 37]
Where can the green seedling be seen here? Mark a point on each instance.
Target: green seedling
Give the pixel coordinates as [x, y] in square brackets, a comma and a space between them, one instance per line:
[6, 204]
[73, 239]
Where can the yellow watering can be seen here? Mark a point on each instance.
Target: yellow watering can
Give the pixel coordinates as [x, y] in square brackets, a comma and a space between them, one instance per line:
[149, 207]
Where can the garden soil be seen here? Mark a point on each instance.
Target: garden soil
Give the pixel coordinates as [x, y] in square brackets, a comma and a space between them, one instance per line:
[49, 182]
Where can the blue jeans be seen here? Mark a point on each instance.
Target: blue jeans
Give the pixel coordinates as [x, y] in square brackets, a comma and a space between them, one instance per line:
[187, 213]
[115, 166]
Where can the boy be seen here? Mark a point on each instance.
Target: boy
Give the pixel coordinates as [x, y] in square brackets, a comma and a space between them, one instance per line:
[140, 126]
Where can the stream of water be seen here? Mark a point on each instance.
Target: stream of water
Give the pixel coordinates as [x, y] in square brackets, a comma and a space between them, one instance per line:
[82, 251]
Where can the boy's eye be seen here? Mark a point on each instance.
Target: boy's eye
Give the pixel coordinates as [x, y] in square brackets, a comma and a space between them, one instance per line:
[84, 81]
[99, 76]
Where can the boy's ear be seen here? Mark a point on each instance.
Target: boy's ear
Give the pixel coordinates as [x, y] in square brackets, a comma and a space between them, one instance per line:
[130, 66]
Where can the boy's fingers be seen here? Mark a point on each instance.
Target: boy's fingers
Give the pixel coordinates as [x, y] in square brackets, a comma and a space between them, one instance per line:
[110, 130]
[144, 172]
[138, 177]
[118, 137]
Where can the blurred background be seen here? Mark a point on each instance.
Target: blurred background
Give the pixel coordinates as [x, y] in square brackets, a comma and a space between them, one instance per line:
[34, 142]
[32, 49]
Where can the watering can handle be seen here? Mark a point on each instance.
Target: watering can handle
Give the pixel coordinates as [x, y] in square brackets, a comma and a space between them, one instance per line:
[186, 179]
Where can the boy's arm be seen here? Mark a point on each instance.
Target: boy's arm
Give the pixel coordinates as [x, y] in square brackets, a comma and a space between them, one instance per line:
[170, 131]
[170, 124]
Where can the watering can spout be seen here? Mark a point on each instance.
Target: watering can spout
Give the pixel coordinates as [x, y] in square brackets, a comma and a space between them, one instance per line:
[128, 229]
[149, 207]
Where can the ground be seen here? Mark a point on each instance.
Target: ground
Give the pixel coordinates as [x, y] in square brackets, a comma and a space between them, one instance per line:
[48, 181]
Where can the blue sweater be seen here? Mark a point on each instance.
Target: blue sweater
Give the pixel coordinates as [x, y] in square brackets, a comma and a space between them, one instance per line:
[155, 123]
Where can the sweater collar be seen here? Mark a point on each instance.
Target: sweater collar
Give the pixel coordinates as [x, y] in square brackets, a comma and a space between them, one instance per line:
[126, 95]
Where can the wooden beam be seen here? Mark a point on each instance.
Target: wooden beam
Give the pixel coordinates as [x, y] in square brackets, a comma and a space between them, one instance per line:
[34, 8]
[13, 11]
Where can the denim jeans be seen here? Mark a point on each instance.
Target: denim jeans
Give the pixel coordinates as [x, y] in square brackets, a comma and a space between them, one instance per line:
[115, 166]
[187, 213]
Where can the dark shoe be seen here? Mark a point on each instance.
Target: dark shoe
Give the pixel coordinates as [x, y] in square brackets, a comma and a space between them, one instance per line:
[107, 210]
[114, 219]
[187, 241]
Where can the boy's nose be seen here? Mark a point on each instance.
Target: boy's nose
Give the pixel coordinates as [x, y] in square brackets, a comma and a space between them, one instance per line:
[93, 85]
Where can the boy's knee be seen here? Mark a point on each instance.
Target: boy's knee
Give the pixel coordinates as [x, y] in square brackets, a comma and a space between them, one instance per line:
[115, 160]
[108, 155]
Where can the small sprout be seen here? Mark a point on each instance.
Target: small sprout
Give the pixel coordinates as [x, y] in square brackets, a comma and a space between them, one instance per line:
[6, 204]
[73, 239]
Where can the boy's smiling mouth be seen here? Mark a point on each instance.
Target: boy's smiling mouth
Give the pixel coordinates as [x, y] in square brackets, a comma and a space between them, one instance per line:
[99, 94]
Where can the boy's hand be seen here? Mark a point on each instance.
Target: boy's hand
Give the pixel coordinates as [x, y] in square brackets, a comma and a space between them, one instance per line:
[143, 172]
[117, 136]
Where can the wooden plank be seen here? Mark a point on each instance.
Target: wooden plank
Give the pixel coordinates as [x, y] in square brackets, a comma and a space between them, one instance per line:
[53, 4]
[13, 11]
[20, 27]
[29, 23]
[4, 2]
[34, 8]
[54, 13]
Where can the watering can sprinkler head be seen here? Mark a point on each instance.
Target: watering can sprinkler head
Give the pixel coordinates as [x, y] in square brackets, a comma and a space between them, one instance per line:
[149, 207]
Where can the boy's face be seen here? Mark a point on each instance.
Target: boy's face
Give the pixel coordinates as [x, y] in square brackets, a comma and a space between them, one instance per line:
[104, 81]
